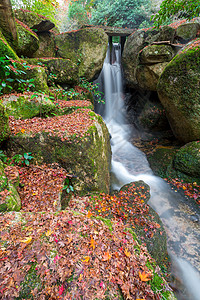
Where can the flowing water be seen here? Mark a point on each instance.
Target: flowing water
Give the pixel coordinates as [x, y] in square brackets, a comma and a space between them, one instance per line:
[180, 218]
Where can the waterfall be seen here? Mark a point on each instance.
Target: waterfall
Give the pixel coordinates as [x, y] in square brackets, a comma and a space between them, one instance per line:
[130, 164]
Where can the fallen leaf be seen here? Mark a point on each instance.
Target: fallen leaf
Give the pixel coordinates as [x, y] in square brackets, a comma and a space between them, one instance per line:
[144, 276]
[92, 243]
[106, 256]
[26, 240]
[127, 253]
[86, 259]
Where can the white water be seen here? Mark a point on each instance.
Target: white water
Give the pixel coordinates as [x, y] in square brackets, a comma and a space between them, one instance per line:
[130, 164]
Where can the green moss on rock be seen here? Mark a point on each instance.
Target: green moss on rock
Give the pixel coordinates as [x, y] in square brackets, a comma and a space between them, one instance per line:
[86, 48]
[88, 158]
[178, 90]
[187, 159]
[4, 126]
[28, 106]
[46, 45]
[28, 41]
[5, 49]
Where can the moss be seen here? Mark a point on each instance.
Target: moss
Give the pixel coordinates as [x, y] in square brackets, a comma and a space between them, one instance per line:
[178, 90]
[4, 126]
[28, 41]
[88, 158]
[107, 222]
[21, 107]
[31, 282]
[5, 49]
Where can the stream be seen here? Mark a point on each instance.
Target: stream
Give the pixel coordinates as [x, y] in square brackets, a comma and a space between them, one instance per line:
[180, 217]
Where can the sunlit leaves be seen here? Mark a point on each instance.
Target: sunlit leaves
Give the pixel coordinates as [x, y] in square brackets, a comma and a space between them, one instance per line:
[144, 276]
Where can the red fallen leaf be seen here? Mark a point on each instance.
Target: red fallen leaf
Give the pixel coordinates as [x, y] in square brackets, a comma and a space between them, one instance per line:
[144, 276]
[61, 290]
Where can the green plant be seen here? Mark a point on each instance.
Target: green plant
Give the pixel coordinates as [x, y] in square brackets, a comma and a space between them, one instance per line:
[93, 88]
[3, 157]
[10, 72]
[68, 187]
[180, 8]
[22, 159]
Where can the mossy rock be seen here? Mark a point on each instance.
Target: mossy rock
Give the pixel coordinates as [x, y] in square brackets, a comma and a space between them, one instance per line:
[86, 48]
[46, 45]
[28, 41]
[40, 79]
[152, 117]
[6, 50]
[33, 20]
[135, 43]
[187, 159]
[28, 106]
[4, 126]
[187, 31]
[87, 158]
[157, 244]
[155, 54]
[148, 75]
[9, 198]
[178, 90]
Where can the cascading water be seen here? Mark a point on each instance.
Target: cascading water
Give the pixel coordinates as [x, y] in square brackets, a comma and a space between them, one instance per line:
[129, 164]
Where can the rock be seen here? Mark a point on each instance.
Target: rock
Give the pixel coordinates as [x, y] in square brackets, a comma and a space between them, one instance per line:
[157, 244]
[4, 126]
[153, 118]
[28, 40]
[6, 50]
[9, 198]
[64, 71]
[46, 45]
[27, 106]
[147, 75]
[34, 21]
[87, 156]
[92, 46]
[187, 31]
[187, 159]
[40, 79]
[178, 90]
[155, 54]
[138, 41]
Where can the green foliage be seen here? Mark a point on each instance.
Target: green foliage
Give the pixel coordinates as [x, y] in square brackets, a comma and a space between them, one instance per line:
[10, 74]
[121, 13]
[18, 159]
[180, 8]
[45, 7]
[78, 13]
[68, 187]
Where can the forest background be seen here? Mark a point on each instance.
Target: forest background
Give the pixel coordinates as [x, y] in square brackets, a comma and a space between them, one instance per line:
[74, 14]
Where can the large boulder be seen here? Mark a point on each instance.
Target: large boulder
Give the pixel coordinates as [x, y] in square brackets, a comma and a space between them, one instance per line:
[46, 45]
[4, 126]
[79, 142]
[60, 71]
[154, 54]
[135, 43]
[9, 198]
[25, 106]
[187, 31]
[187, 159]
[28, 40]
[34, 21]
[147, 75]
[86, 48]
[178, 90]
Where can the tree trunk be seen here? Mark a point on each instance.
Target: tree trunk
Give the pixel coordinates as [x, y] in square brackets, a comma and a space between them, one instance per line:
[7, 22]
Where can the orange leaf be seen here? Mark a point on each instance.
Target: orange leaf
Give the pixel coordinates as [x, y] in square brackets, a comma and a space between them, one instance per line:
[92, 243]
[89, 214]
[144, 276]
[86, 259]
[128, 254]
[106, 256]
